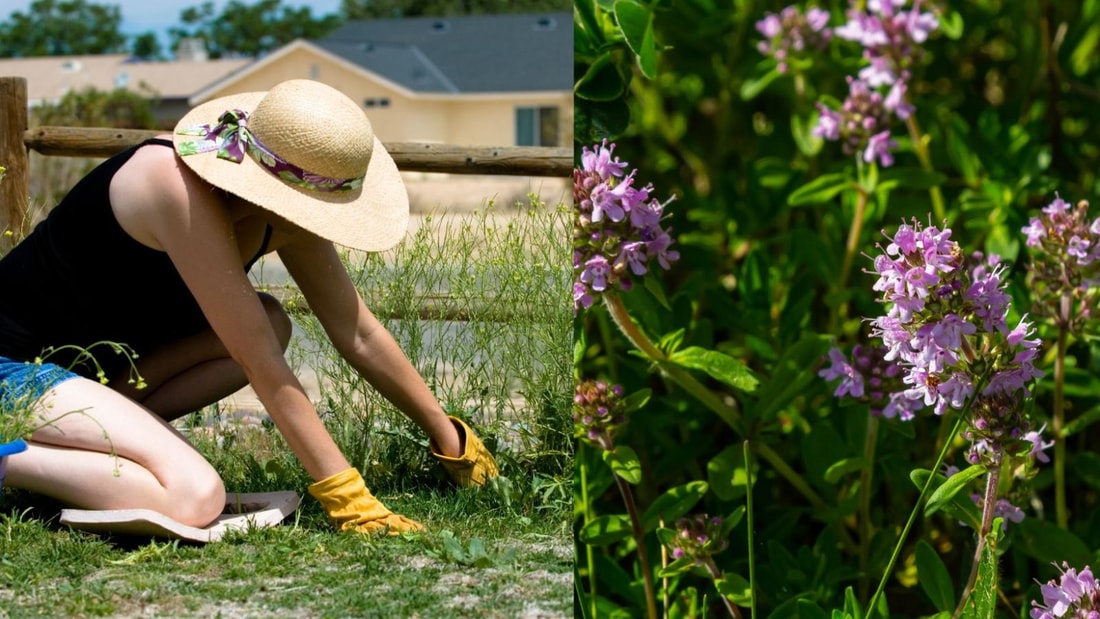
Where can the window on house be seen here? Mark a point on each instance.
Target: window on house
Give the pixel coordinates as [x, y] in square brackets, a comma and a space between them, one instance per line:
[537, 126]
[376, 102]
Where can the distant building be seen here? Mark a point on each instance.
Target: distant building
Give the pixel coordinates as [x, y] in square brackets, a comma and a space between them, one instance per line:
[490, 80]
[170, 84]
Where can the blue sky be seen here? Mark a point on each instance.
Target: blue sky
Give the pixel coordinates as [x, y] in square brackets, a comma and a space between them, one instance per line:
[140, 16]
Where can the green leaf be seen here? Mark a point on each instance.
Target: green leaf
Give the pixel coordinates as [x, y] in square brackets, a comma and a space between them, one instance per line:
[910, 178]
[670, 342]
[674, 503]
[851, 604]
[960, 507]
[596, 120]
[1047, 543]
[605, 530]
[840, 468]
[583, 44]
[636, 23]
[951, 25]
[602, 81]
[790, 376]
[726, 473]
[732, 520]
[586, 10]
[1084, 55]
[934, 577]
[959, 151]
[580, 344]
[636, 400]
[678, 566]
[735, 587]
[819, 190]
[718, 365]
[951, 487]
[803, 133]
[665, 535]
[753, 86]
[624, 462]
[652, 283]
[982, 601]
[807, 609]
[1085, 420]
[1087, 466]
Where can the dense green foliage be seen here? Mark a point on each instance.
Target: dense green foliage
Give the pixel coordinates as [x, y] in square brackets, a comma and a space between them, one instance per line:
[250, 28]
[61, 28]
[367, 9]
[762, 215]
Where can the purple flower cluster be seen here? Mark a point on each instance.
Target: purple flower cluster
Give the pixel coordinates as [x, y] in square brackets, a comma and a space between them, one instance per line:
[1064, 274]
[617, 231]
[793, 32]
[891, 38]
[871, 378]
[1075, 595]
[597, 412]
[698, 538]
[945, 326]
[862, 125]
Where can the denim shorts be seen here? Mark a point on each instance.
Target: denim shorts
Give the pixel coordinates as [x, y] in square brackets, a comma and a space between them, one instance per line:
[23, 383]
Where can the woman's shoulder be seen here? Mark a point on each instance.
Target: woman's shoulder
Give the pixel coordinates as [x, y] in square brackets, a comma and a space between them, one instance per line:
[153, 185]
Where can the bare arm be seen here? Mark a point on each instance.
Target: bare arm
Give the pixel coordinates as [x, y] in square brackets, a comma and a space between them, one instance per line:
[361, 339]
[190, 222]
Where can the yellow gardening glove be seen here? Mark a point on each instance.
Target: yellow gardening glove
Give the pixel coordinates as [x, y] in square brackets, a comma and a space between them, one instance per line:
[353, 508]
[475, 466]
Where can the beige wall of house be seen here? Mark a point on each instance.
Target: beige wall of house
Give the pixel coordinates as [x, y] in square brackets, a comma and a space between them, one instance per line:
[395, 115]
[492, 122]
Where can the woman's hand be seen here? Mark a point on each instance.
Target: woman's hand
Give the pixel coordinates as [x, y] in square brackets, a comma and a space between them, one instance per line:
[474, 465]
[353, 508]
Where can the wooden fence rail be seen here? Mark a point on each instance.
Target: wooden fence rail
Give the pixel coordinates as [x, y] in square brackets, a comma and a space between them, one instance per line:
[16, 142]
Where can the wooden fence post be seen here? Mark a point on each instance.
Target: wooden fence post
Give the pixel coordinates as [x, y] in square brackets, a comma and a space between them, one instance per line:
[15, 187]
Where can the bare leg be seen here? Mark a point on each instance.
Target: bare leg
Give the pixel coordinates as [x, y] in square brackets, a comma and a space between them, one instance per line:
[194, 372]
[114, 454]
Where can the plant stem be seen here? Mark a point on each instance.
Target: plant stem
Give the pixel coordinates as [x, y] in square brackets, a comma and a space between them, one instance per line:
[716, 575]
[850, 249]
[664, 580]
[1061, 515]
[920, 145]
[749, 523]
[731, 416]
[854, 232]
[991, 481]
[589, 555]
[866, 531]
[639, 539]
[917, 507]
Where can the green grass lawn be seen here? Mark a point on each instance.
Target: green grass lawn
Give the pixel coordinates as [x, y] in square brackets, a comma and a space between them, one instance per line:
[478, 558]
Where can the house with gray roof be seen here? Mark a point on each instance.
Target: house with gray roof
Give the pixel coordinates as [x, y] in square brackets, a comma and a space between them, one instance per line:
[493, 80]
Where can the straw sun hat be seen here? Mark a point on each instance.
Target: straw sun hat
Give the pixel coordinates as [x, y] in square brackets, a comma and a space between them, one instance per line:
[305, 152]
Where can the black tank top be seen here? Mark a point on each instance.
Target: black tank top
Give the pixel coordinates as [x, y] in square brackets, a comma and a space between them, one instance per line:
[79, 279]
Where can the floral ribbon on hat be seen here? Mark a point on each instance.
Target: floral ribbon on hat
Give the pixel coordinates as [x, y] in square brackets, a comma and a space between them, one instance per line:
[232, 139]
